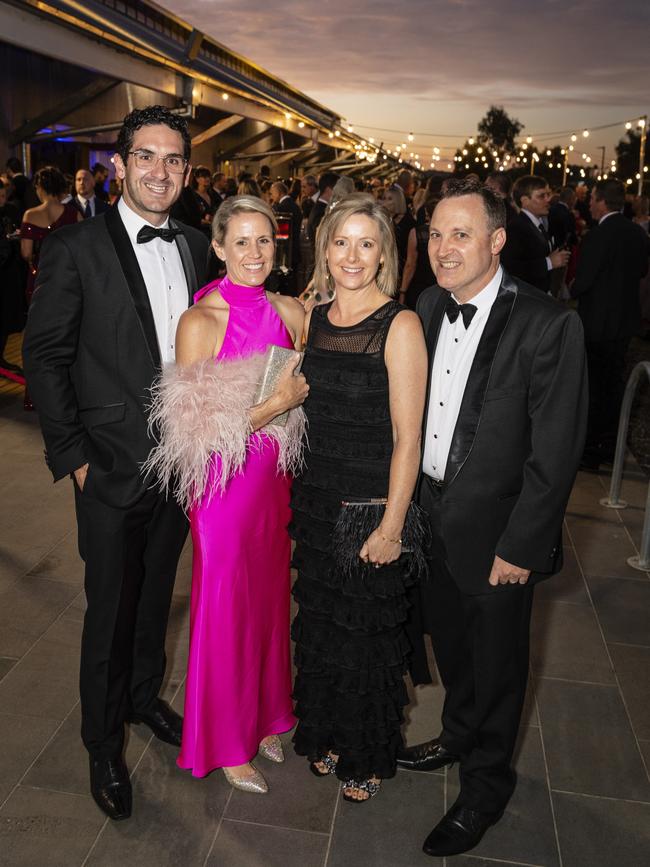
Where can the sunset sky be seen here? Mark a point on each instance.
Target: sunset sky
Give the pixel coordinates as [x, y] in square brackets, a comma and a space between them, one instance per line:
[434, 67]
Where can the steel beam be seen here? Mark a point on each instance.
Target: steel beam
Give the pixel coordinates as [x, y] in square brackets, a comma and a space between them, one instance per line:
[219, 127]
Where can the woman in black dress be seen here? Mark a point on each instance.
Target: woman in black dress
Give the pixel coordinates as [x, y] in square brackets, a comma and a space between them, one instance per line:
[366, 364]
[403, 224]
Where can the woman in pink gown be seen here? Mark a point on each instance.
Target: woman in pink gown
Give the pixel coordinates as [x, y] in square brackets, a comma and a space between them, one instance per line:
[238, 690]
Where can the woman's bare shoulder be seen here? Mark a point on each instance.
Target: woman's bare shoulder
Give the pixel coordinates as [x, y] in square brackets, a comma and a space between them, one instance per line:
[201, 319]
[36, 216]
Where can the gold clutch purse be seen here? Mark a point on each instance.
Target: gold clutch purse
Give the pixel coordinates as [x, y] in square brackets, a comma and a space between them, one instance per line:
[277, 358]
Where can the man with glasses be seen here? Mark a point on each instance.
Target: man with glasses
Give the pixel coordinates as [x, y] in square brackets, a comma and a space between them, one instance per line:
[530, 253]
[103, 320]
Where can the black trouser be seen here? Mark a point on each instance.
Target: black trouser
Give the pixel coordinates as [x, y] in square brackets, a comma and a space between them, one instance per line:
[131, 557]
[606, 366]
[481, 645]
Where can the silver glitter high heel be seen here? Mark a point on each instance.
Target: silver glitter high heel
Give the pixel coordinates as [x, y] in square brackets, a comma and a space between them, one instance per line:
[256, 784]
[271, 749]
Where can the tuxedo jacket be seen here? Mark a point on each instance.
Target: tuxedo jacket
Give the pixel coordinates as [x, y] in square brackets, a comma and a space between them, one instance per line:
[525, 251]
[91, 352]
[518, 439]
[613, 259]
[315, 216]
[100, 206]
[562, 225]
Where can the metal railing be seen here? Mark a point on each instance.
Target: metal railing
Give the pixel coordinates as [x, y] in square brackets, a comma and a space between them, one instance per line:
[613, 501]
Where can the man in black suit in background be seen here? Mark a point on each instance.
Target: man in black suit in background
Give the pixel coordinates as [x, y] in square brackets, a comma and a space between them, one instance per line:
[102, 321]
[85, 200]
[284, 206]
[613, 259]
[504, 428]
[561, 220]
[528, 252]
[325, 186]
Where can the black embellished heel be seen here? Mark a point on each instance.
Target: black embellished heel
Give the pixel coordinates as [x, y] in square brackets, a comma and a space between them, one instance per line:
[365, 786]
[329, 763]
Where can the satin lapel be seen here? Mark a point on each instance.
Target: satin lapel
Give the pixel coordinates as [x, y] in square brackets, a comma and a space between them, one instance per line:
[134, 279]
[469, 416]
[188, 263]
[432, 331]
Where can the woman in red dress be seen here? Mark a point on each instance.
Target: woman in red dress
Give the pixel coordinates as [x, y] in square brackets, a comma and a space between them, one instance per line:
[38, 222]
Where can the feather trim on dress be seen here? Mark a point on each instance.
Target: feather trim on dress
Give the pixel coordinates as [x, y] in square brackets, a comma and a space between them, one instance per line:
[202, 410]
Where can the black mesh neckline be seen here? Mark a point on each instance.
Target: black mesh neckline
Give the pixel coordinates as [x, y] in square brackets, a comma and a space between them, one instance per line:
[366, 337]
[380, 313]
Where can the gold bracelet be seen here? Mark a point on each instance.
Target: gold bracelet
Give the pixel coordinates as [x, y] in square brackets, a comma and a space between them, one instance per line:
[387, 539]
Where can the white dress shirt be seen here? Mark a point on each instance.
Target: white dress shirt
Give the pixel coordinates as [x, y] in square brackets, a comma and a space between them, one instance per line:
[451, 366]
[539, 225]
[162, 271]
[91, 201]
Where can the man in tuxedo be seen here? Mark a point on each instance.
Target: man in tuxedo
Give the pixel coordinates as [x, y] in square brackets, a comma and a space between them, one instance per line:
[85, 200]
[613, 260]
[109, 294]
[219, 187]
[528, 252]
[284, 206]
[504, 427]
[325, 186]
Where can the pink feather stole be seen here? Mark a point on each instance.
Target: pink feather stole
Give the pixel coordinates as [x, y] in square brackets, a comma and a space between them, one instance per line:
[202, 410]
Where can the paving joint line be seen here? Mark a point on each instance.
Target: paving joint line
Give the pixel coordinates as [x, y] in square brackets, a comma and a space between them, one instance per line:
[618, 683]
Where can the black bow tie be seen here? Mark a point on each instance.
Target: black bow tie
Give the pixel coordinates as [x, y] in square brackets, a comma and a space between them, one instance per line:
[466, 310]
[148, 233]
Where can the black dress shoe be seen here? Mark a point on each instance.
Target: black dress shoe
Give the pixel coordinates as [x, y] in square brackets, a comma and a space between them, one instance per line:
[425, 757]
[164, 722]
[110, 786]
[460, 830]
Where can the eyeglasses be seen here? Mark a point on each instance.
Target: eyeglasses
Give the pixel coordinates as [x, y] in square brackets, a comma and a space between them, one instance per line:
[174, 163]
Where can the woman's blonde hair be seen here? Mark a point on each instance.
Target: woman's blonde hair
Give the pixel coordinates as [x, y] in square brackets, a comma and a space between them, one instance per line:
[249, 187]
[398, 195]
[240, 205]
[350, 206]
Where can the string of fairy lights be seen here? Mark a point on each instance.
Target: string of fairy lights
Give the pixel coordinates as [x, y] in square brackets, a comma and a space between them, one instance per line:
[412, 149]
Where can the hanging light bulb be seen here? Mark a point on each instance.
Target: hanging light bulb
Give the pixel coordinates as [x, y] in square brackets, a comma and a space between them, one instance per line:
[585, 133]
[529, 139]
[574, 137]
[470, 141]
[410, 136]
[641, 122]
[628, 125]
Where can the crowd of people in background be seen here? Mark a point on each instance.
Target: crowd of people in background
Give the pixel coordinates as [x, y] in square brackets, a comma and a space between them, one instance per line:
[428, 499]
[547, 229]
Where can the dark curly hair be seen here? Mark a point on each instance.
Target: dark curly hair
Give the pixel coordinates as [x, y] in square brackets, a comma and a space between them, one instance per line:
[495, 210]
[51, 181]
[151, 116]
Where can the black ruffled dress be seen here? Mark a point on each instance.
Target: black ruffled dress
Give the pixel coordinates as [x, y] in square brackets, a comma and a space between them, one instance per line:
[351, 645]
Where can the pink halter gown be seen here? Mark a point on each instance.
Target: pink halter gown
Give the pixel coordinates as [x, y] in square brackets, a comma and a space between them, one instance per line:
[238, 687]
